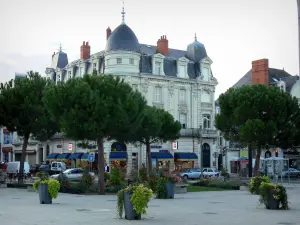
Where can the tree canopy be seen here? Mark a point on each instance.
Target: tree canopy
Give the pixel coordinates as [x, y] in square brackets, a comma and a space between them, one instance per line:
[95, 108]
[157, 126]
[260, 116]
[23, 111]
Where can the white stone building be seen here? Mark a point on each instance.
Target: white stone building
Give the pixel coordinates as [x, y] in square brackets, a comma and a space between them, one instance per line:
[179, 81]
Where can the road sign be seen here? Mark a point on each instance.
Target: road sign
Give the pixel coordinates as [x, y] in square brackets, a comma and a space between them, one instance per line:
[175, 145]
[70, 146]
[91, 157]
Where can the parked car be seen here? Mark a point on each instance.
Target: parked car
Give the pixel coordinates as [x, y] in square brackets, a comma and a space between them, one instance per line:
[34, 168]
[14, 167]
[193, 173]
[45, 168]
[291, 172]
[72, 174]
[210, 172]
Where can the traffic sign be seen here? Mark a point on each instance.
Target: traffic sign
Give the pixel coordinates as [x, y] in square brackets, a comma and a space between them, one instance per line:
[175, 145]
[70, 146]
[91, 157]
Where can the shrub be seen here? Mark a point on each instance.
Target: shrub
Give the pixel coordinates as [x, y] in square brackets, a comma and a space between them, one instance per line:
[256, 182]
[278, 192]
[64, 182]
[115, 176]
[143, 175]
[86, 181]
[161, 189]
[106, 176]
[153, 182]
[53, 186]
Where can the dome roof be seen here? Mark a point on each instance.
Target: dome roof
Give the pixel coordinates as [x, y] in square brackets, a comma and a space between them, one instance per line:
[196, 51]
[123, 38]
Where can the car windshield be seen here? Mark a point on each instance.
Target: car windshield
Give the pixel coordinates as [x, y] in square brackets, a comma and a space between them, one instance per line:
[43, 166]
[68, 170]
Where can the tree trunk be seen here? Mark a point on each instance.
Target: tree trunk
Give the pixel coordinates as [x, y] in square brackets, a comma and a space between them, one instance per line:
[100, 166]
[257, 161]
[250, 160]
[149, 158]
[23, 155]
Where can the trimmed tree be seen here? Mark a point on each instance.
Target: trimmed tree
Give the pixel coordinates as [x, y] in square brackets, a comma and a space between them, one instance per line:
[157, 126]
[95, 108]
[260, 117]
[23, 111]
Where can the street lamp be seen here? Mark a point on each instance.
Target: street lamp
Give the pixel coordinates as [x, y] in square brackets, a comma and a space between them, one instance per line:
[200, 160]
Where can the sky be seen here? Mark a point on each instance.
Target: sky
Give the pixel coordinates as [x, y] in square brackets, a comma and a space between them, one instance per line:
[234, 32]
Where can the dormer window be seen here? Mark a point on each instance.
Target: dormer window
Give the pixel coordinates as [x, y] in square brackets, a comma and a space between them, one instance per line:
[182, 70]
[182, 67]
[131, 61]
[119, 60]
[158, 68]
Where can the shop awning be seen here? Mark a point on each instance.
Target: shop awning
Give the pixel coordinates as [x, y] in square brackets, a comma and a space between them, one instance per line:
[52, 155]
[161, 155]
[76, 155]
[118, 155]
[63, 156]
[185, 156]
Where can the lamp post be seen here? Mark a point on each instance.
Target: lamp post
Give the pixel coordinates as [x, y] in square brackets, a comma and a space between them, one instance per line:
[200, 161]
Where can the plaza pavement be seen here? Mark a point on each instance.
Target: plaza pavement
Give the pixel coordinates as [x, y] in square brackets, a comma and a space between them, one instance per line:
[21, 207]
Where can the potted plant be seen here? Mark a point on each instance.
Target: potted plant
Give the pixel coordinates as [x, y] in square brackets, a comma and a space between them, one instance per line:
[166, 186]
[134, 199]
[273, 196]
[256, 182]
[47, 188]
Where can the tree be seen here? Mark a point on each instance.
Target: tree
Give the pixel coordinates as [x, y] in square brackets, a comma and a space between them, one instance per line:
[95, 108]
[23, 111]
[260, 117]
[157, 126]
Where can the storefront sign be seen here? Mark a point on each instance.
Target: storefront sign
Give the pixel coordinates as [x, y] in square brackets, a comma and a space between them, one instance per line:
[7, 149]
[59, 146]
[175, 145]
[155, 146]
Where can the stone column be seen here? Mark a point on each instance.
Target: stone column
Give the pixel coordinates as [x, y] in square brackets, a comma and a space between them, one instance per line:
[129, 159]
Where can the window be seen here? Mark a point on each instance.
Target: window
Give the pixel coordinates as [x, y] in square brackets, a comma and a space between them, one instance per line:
[158, 94]
[157, 68]
[182, 70]
[205, 72]
[182, 120]
[131, 61]
[206, 121]
[95, 65]
[182, 96]
[119, 60]
[5, 157]
[221, 141]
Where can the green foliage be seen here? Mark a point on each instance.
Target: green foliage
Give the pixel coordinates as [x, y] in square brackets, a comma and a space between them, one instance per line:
[224, 172]
[22, 110]
[53, 186]
[86, 181]
[152, 182]
[143, 177]
[256, 181]
[278, 192]
[140, 196]
[219, 183]
[115, 176]
[161, 188]
[106, 176]
[95, 108]
[63, 181]
[43, 176]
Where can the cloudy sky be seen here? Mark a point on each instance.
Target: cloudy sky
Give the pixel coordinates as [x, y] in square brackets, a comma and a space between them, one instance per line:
[234, 32]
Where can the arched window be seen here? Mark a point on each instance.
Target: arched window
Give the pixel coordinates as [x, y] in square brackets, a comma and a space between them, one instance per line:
[206, 121]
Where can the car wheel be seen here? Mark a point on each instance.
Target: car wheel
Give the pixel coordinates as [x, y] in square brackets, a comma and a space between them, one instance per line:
[185, 177]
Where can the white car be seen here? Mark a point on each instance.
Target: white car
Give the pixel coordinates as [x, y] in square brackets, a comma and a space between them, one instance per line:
[72, 174]
[210, 172]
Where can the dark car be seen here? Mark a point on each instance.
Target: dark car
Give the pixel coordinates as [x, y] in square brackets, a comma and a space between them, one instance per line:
[45, 168]
[34, 169]
[291, 173]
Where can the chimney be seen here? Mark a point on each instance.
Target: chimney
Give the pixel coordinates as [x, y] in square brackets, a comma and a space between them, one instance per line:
[163, 45]
[108, 33]
[85, 50]
[260, 72]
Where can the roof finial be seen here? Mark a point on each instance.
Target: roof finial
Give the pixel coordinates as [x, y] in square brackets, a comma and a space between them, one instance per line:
[60, 47]
[123, 12]
[195, 37]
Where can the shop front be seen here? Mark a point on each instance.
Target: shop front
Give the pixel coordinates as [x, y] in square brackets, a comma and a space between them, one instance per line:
[75, 159]
[118, 159]
[52, 157]
[184, 160]
[64, 157]
[162, 160]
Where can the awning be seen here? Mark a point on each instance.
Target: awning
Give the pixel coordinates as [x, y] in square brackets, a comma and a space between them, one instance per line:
[63, 156]
[76, 155]
[118, 155]
[85, 156]
[52, 156]
[185, 156]
[161, 155]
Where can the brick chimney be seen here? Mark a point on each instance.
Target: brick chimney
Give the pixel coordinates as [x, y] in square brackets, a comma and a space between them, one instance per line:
[260, 72]
[85, 50]
[108, 33]
[163, 45]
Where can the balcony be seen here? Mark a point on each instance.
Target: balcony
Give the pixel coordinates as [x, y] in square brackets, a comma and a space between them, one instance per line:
[195, 132]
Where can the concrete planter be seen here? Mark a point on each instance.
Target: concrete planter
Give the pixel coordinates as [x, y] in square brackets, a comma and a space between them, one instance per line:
[44, 195]
[271, 203]
[130, 213]
[181, 188]
[170, 189]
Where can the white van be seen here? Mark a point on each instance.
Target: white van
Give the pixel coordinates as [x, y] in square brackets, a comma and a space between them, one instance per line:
[57, 167]
[14, 167]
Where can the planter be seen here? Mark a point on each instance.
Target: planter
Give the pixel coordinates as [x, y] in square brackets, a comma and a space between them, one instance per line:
[130, 213]
[44, 195]
[170, 189]
[271, 202]
[256, 191]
